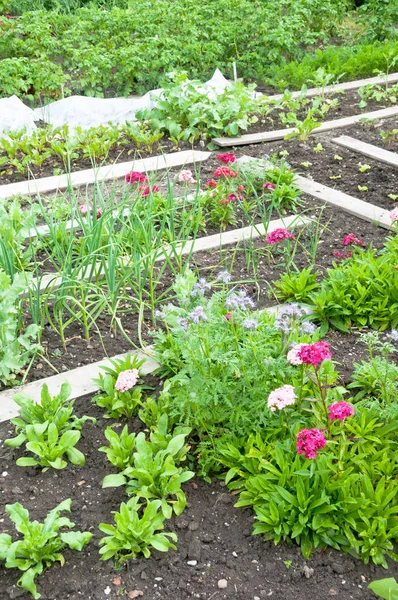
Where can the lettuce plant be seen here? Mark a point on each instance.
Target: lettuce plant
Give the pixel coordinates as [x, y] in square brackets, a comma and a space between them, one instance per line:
[135, 534]
[41, 544]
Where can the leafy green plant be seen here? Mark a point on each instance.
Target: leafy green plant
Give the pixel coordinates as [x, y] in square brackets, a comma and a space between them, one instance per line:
[55, 409]
[134, 534]
[189, 110]
[121, 447]
[361, 290]
[304, 127]
[116, 402]
[296, 285]
[154, 473]
[377, 377]
[41, 544]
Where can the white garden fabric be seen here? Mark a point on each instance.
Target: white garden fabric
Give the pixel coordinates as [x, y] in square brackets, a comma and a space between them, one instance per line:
[86, 112]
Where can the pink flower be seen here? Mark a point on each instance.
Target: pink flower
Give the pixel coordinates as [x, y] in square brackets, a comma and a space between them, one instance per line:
[340, 411]
[293, 356]
[146, 190]
[278, 235]
[309, 442]
[228, 316]
[126, 380]
[212, 183]
[226, 158]
[186, 176]
[225, 201]
[351, 238]
[83, 209]
[281, 397]
[314, 354]
[269, 186]
[136, 177]
[225, 172]
[241, 188]
[394, 214]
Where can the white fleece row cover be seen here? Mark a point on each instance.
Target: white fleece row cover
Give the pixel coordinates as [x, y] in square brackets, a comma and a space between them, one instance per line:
[86, 112]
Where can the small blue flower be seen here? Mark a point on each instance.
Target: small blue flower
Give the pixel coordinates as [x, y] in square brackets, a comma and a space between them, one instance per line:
[183, 322]
[197, 314]
[224, 276]
[199, 289]
[250, 324]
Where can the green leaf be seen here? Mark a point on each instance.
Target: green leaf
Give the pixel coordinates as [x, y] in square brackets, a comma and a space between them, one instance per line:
[76, 540]
[385, 588]
[25, 461]
[115, 480]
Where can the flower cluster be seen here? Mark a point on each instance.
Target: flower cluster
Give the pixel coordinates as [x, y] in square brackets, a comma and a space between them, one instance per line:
[278, 235]
[394, 214]
[309, 442]
[269, 186]
[314, 354]
[136, 177]
[290, 315]
[227, 158]
[224, 277]
[225, 172]
[293, 356]
[146, 190]
[212, 183]
[341, 255]
[183, 322]
[126, 380]
[250, 324]
[340, 411]
[197, 314]
[239, 300]
[281, 397]
[351, 239]
[186, 176]
[199, 288]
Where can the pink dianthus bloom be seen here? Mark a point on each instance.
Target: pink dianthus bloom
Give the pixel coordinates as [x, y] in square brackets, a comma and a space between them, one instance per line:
[281, 397]
[146, 190]
[314, 354]
[278, 235]
[309, 442]
[83, 209]
[340, 411]
[351, 238]
[186, 176]
[394, 214]
[293, 356]
[126, 380]
[136, 177]
[341, 255]
[234, 197]
[269, 186]
[227, 158]
[225, 172]
[228, 316]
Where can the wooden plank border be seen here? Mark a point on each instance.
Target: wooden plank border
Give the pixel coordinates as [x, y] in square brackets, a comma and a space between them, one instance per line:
[385, 156]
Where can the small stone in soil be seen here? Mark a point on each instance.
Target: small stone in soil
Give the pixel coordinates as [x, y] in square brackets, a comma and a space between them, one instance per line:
[192, 563]
[222, 584]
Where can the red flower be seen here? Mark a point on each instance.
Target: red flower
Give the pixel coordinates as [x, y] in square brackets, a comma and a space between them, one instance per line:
[226, 158]
[340, 410]
[146, 190]
[341, 255]
[212, 183]
[136, 177]
[241, 188]
[225, 172]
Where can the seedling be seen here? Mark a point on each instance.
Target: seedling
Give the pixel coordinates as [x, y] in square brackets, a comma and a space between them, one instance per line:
[364, 168]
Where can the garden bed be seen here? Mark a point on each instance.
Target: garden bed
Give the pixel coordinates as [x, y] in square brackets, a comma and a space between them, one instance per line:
[211, 533]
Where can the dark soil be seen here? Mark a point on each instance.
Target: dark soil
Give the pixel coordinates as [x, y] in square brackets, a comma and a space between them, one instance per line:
[210, 531]
[326, 166]
[348, 105]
